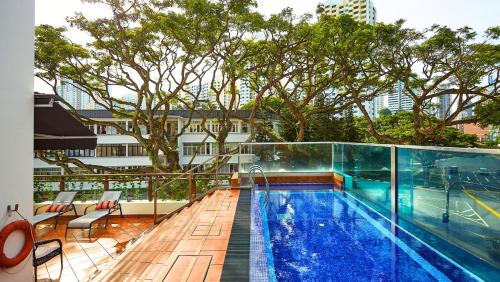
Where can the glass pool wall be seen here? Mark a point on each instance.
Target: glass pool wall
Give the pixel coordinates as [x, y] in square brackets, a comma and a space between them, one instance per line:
[451, 193]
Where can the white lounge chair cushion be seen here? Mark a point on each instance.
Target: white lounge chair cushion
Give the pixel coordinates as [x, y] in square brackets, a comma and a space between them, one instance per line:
[43, 216]
[43, 251]
[86, 220]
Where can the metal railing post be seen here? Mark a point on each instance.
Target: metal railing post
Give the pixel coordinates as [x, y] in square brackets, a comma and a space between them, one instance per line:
[217, 172]
[394, 180]
[155, 208]
[61, 184]
[150, 188]
[192, 187]
[106, 183]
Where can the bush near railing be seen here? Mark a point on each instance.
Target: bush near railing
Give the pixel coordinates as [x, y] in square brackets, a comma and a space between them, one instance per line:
[134, 186]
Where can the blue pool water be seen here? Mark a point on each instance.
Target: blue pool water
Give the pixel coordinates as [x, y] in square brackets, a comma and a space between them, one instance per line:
[321, 235]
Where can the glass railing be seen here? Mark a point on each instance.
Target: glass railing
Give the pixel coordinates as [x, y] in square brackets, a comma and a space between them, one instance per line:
[366, 170]
[287, 157]
[453, 194]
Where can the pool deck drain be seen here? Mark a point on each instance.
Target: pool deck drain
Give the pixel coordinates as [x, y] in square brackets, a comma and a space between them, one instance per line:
[237, 262]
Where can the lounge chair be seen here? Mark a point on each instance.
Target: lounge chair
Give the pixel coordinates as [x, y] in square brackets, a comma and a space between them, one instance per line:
[63, 203]
[108, 204]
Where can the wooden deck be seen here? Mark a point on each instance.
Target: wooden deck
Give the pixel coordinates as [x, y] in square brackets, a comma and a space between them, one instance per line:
[190, 246]
[83, 258]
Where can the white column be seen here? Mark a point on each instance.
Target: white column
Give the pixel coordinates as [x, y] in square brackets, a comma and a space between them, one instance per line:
[17, 20]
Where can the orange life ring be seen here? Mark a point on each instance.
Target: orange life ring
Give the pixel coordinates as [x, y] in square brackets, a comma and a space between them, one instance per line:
[29, 234]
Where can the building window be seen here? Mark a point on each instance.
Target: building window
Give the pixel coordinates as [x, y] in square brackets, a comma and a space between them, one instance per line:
[90, 127]
[110, 150]
[235, 128]
[171, 129]
[122, 124]
[47, 171]
[136, 150]
[215, 126]
[79, 153]
[199, 149]
[101, 129]
[191, 149]
[230, 148]
[195, 127]
[244, 127]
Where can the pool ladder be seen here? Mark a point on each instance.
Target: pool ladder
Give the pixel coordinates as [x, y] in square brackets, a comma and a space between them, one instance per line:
[251, 176]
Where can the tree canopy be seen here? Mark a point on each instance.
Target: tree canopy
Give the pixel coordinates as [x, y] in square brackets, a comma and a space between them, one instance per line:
[309, 74]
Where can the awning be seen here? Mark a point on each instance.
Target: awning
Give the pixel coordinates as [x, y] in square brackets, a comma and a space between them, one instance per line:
[56, 129]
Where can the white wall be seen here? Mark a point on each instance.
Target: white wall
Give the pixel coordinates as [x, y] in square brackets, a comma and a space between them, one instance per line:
[17, 19]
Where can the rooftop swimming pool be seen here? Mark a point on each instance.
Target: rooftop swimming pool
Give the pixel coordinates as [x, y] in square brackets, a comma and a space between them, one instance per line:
[309, 233]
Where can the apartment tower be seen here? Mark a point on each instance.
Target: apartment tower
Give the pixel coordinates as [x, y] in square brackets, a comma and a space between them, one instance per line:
[361, 10]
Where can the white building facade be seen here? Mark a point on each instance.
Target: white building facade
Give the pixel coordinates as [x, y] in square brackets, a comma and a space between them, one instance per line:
[120, 151]
[361, 10]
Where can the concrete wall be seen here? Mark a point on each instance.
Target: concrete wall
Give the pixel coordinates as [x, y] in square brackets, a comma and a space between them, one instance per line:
[17, 20]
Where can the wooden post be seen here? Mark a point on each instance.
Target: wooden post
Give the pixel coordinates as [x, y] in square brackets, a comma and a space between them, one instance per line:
[155, 208]
[61, 184]
[217, 171]
[150, 188]
[192, 187]
[106, 183]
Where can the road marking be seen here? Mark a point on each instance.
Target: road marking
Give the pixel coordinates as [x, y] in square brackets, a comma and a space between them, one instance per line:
[481, 193]
[487, 179]
[469, 214]
[480, 218]
[482, 204]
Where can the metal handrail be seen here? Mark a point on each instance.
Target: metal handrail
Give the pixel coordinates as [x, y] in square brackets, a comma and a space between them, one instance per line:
[251, 175]
[190, 171]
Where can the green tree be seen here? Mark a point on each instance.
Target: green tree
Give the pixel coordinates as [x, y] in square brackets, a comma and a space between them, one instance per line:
[488, 114]
[399, 127]
[154, 49]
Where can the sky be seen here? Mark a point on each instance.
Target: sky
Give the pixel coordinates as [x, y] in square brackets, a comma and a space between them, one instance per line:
[478, 14]
[419, 14]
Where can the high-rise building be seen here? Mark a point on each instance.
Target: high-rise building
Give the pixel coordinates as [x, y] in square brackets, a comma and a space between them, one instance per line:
[444, 106]
[245, 92]
[369, 107]
[379, 103]
[70, 92]
[361, 10]
[492, 78]
[198, 92]
[206, 95]
[398, 100]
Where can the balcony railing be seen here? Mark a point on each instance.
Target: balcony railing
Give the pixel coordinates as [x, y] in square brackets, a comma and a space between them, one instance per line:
[154, 187]
[453, 193]
[188, 180]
